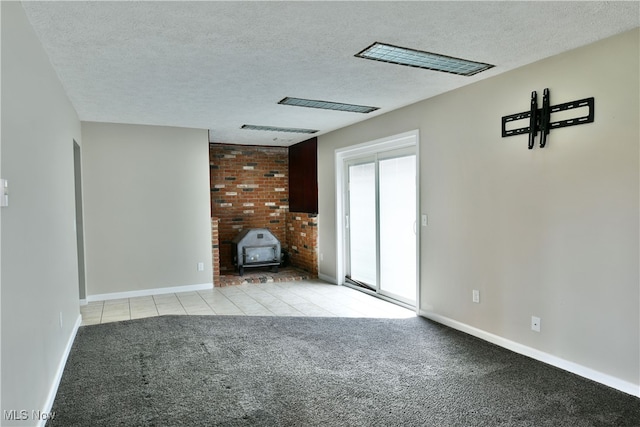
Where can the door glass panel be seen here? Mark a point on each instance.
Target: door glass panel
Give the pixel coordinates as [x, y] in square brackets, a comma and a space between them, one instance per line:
[362, 223]
[397, 182]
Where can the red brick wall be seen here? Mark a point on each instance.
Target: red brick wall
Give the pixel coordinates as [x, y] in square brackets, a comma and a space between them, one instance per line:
[302, 239]
[249, 189]
[215, 250]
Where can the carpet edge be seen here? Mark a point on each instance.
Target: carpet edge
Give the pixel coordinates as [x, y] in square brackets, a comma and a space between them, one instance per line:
[541, 356]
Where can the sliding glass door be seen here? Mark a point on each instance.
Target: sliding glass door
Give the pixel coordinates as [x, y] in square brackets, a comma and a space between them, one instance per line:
[362, 223]
[397, 212]
[381, 223]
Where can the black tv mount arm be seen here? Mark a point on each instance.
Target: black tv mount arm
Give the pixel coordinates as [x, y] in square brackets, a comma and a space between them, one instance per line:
[540, 118]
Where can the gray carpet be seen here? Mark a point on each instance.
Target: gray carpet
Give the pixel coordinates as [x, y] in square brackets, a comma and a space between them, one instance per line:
[295, 371]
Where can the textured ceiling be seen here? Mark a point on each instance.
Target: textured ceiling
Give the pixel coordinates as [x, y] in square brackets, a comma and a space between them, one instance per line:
[219, 65]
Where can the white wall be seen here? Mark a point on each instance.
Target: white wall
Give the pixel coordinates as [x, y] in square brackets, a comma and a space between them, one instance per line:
[39, 272]
[147, 207]
[549, 232]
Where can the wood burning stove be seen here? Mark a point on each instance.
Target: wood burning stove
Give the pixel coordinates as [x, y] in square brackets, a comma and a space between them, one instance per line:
[256, 247]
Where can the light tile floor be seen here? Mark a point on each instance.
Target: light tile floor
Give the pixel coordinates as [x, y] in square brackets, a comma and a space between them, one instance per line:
[299, 298]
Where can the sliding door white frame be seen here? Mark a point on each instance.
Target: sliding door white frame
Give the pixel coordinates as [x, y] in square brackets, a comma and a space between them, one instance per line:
[403, 140]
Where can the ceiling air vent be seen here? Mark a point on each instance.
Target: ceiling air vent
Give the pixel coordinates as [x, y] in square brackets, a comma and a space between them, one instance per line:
[277, 129]
[420, 59]
[327, 105]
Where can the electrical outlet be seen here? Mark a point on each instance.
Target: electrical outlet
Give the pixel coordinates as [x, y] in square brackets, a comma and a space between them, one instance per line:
[476, 296]
[201, 266]
[60, 320]
[4, 193]
[425, 220]
[321, 257]
[535, 323]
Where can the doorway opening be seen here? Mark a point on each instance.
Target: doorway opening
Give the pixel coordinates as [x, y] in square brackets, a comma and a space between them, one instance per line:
[77, 176]
[377, 217]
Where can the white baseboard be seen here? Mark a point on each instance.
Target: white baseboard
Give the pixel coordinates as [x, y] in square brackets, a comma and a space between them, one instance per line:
[83, 302]
[327, 278]
[583, 371]
[148, 292]
[56, 381]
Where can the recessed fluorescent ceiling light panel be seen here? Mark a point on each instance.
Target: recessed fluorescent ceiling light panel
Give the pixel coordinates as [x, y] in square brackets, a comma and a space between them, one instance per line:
[326, 105]
[278, 129]
[417, 58]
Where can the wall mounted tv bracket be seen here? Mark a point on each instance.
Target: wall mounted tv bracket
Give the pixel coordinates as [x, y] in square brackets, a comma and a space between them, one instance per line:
[540, 118]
